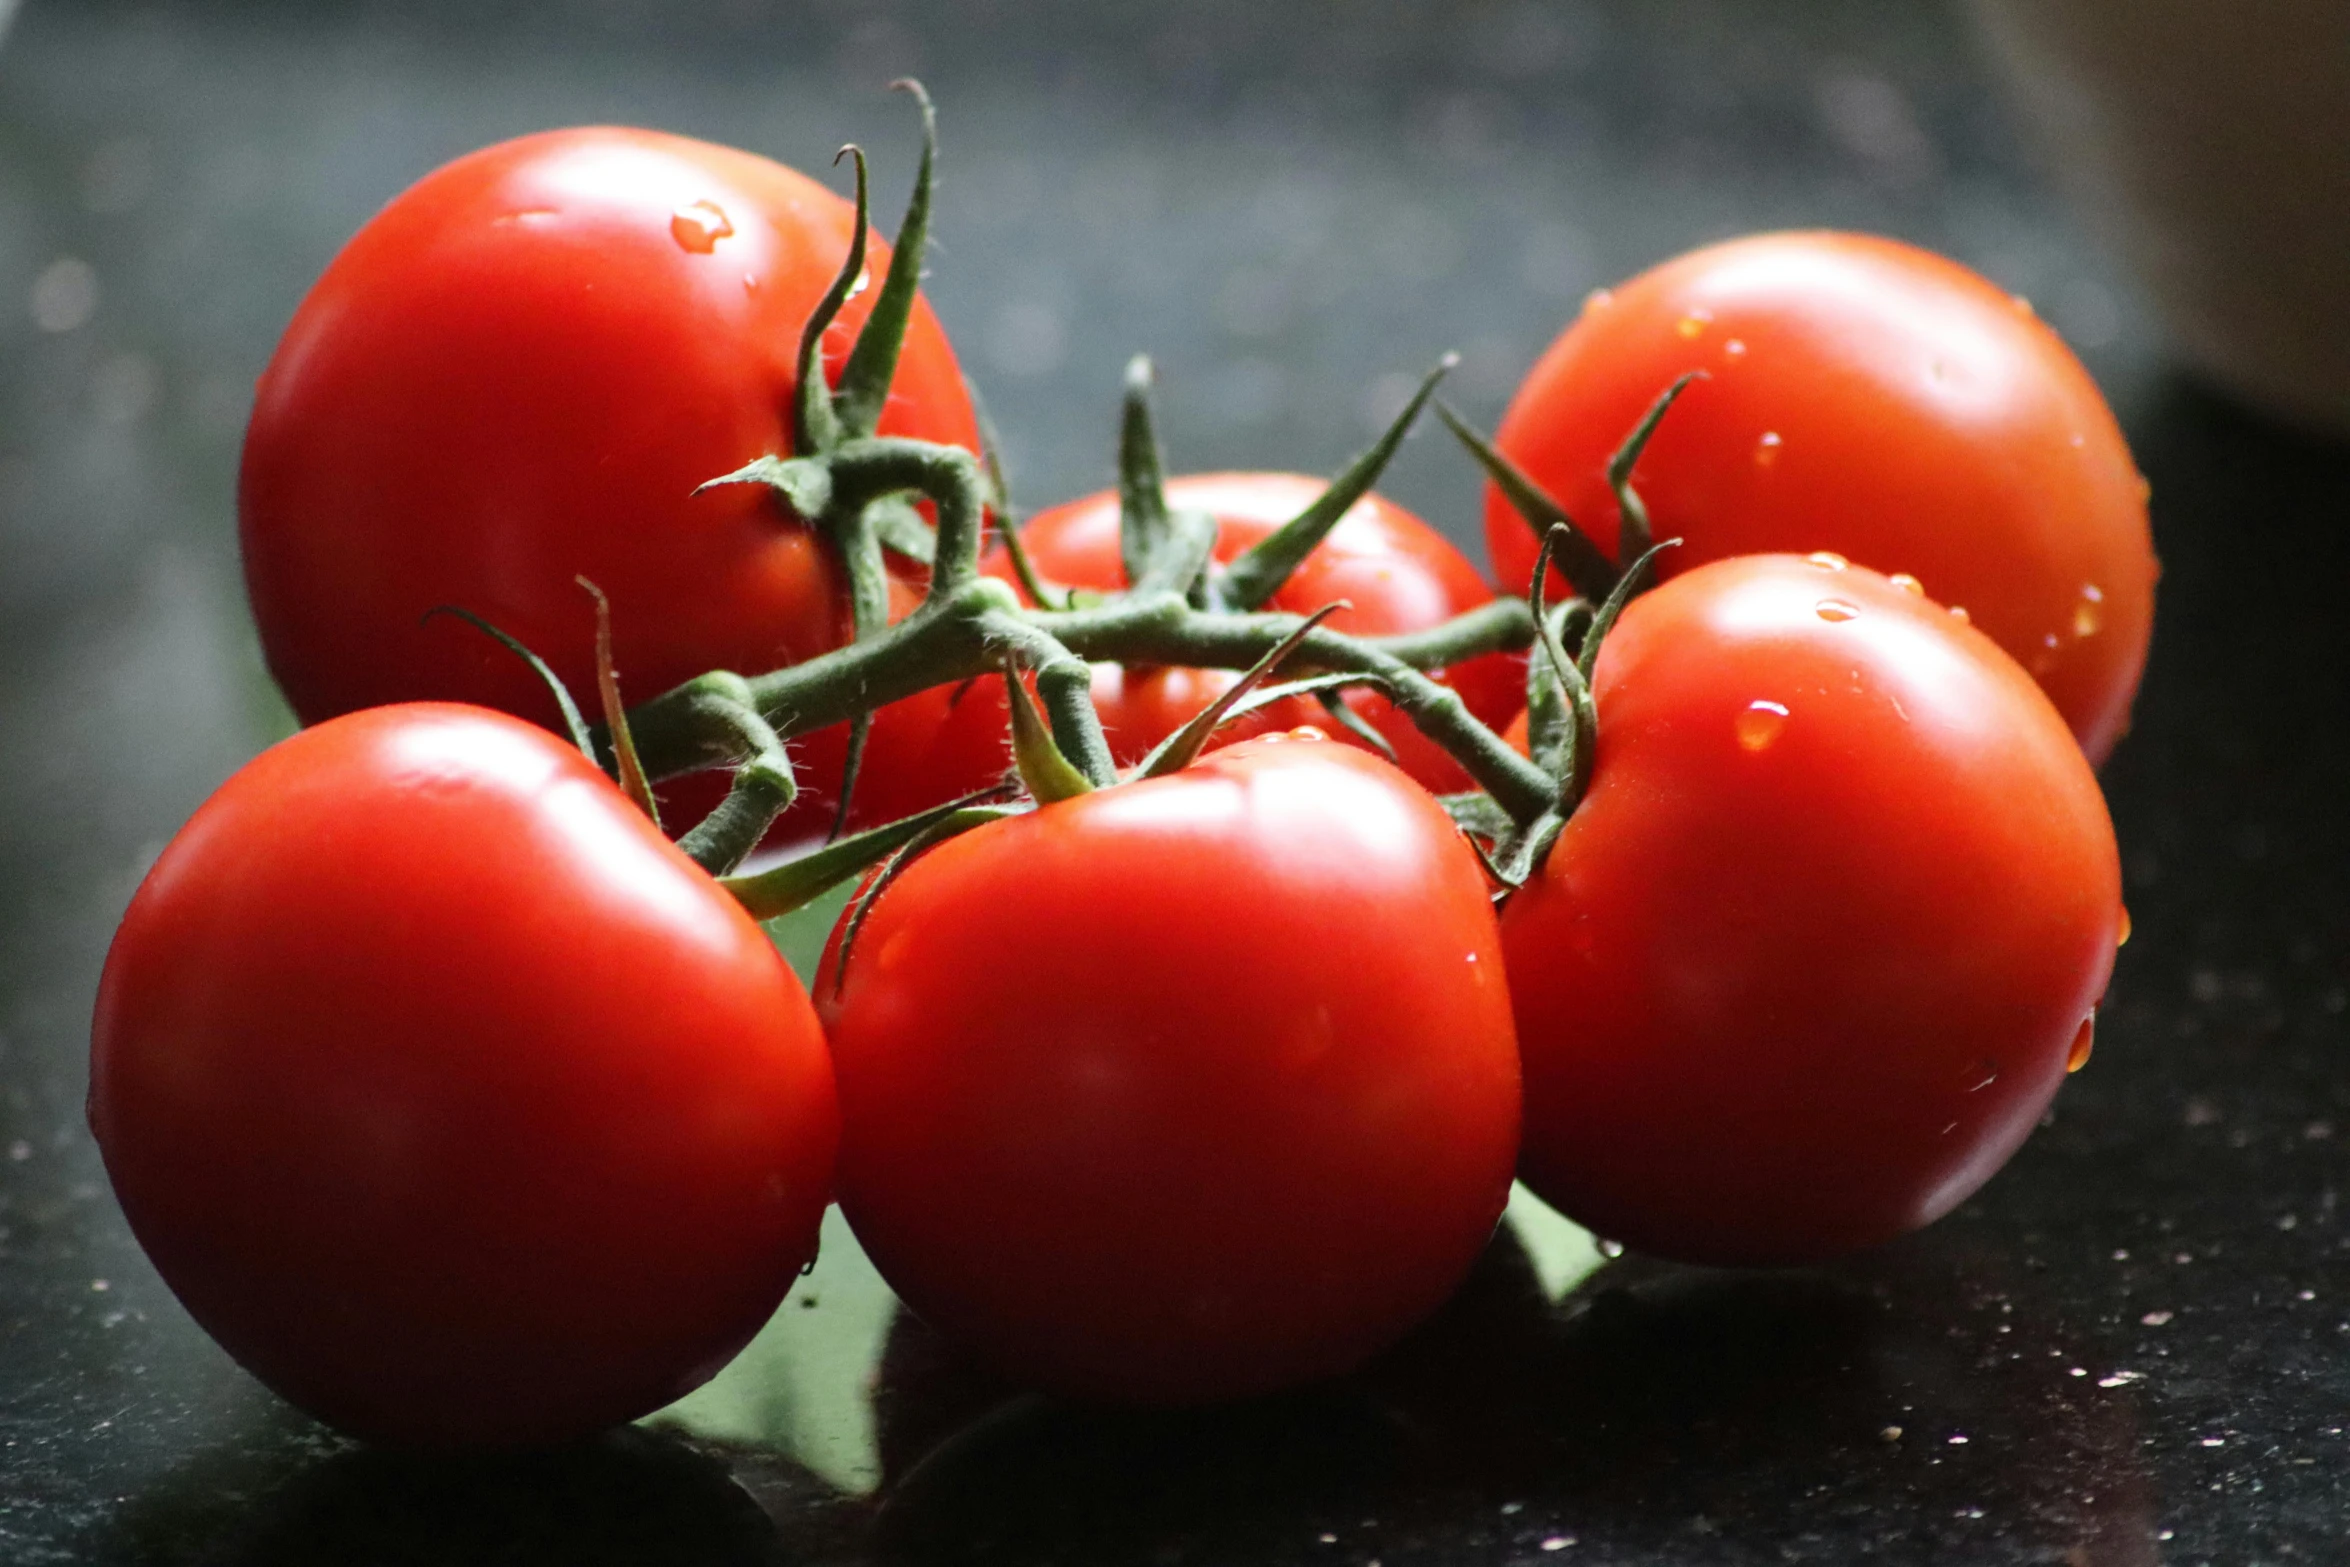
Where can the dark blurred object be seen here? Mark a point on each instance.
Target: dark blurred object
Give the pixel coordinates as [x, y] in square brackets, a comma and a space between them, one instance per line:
[2212, 146]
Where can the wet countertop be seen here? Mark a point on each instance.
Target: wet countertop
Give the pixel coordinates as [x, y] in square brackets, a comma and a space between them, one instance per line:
[2132, 1347]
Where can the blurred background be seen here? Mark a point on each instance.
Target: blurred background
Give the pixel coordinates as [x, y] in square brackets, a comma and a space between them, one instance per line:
[1295, 208]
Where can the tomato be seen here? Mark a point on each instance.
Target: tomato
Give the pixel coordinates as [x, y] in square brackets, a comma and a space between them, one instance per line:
[452, 1099]
[1873, 399]
[1396, 572]
[516, 374]
[1815, 951]
[1185, 1089]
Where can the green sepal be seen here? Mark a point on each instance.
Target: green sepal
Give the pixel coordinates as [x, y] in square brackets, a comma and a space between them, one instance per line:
[1632, 530]
[799, 882]
[1478, 814]
[1142, 490]
[1571, 727]
[804, 482]
[1521, 853]
[902, 529]
[1256, 574]
[1346, 718]
[1584, 564]
[936, 833]
[632, 773]
[872, 364]
[1179, 749]
[1047, 771]
[1603, 620]
[815, 422]
[1187, 542]
[573, 722]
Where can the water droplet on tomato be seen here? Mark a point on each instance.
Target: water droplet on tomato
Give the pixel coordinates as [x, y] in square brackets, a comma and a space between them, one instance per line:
[2078, 440]
[1826, 560]
[2083, 1042]
[1959, 614]
[2023, 306]
[1735, 348]
[750, 283]
[2145, 489]
[1309, 732]
[1981, 1075]
[1760, 724]
[1275, 738]
[1693, 325]
[1598, 299]
[698, 226]
[1833, 610]
[2089, 613]
[1907, 583]
[2121, 935]
[1766, 450]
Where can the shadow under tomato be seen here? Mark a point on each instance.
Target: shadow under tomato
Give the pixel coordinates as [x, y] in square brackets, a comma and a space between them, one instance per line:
[631, 1497]
[1917, 1398]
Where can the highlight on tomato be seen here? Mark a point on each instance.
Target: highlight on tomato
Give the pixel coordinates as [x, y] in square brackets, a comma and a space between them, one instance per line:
[1184, 1089]
[1825, 933]
[1863, 396]
[452, 1099]
[524, 370]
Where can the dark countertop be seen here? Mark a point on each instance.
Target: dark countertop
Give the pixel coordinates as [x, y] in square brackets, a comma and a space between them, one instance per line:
[2133, 1346]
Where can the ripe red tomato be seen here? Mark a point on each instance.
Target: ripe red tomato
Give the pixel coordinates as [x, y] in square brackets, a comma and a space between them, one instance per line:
[516, 374]
[1810, 959]
[1398, 573]
[452, 1099]
[1870, 398]
[1185, 1089]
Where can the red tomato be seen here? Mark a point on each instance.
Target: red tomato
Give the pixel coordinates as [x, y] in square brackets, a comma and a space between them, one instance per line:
[1869, 398]
[1810, 960]
[453, 1100]
[1186, 1089]
[1398, 573]
[516, 374]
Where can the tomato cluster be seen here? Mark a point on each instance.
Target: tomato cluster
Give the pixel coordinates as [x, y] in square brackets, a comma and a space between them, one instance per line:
[467, 1109]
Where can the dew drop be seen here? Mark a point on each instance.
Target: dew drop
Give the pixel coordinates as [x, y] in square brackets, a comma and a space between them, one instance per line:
[1735, 348]
[750, 283]
[2089, 613]
[1959, 614]
[699, 226]
[1981, 1075]
[2145, 489]
[2077, 440]
[1760, 724]
[1598, 299]
[1693, 325]
[2023, 306]
[1907, 583]
[1826, 560]
[1766, 450]
[2083, 1042]
[1611, 1250]
[1309, 732]
[1275, 738]
[1833, 610]
[2121, 935]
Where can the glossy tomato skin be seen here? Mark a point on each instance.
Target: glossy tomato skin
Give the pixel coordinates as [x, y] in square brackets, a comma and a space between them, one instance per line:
[1807, 964]
[1870, 398]
[1397, 574]
[1187, 1089]
[453, 1100]
[517, 374]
